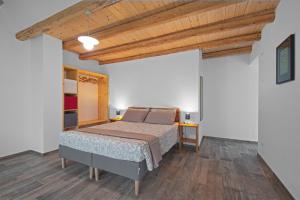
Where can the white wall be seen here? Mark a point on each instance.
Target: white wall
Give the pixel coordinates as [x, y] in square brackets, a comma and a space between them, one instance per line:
[15, 90]
[16, 78]
[230, 90]
[52, 91]
[46, 67]
[23, 14]
[72, 59]
[279, 108]
[35, 136]
[231, 98]
[164, 81]
[20, 126]
[169, 80]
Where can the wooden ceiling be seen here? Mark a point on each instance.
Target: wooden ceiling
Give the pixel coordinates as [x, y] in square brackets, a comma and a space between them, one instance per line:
[133, 29]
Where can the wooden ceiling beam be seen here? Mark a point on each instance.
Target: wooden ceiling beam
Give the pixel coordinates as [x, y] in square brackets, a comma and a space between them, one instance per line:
[210, 44]
[257, 18]
[157, 16]
[252, 37]
[227, 52]
[61, 17]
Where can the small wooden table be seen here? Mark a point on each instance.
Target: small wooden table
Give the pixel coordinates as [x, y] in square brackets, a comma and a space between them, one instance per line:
[116, 119]
[189, 140]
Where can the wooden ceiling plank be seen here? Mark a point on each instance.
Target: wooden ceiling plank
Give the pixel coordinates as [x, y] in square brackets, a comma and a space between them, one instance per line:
[209, 44]
[157, 16]
[261, 17]
[72, 42]
[61, 17]
[228, 52]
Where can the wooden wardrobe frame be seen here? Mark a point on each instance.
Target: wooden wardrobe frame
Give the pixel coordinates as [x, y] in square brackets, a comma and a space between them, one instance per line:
[103, 95]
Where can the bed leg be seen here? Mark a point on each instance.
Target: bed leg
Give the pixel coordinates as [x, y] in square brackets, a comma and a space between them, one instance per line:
[91, 173]
[63, 163]
[96, 174]
[136, 187]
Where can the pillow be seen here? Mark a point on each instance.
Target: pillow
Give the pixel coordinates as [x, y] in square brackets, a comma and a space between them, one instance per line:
[135, 115]
[161, 116]
[163, 109]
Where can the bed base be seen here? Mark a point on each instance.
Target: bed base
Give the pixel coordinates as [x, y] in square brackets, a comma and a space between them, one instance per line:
[91, 169]
[67, 153]
[132, 170]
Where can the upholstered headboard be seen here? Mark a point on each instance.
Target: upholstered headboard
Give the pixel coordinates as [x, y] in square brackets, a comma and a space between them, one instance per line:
[177, 118]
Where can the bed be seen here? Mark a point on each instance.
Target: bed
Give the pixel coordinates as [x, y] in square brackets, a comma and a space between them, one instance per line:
[128, 157]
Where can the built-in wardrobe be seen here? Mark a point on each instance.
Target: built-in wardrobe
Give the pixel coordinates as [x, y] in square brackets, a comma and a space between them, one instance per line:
[85, 96]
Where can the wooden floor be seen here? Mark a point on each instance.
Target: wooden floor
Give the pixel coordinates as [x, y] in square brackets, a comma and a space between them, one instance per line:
[222, 169]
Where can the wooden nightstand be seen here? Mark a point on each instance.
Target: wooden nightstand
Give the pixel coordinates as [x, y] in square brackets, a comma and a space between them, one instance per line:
[116, 119]
[189, 140]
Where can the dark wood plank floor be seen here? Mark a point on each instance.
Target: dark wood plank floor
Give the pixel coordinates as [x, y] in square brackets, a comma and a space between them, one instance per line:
[222, 169]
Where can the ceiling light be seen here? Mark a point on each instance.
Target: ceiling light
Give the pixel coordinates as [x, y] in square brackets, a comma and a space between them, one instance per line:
[88, 42]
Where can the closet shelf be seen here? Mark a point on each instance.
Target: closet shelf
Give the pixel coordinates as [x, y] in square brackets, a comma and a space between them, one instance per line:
[69, 128]
[70, 103]
[70, 86]
[71, 110]
[70, 94]
[70, 119]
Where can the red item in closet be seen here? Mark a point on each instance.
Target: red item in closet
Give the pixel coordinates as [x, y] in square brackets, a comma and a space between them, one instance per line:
[70, 102]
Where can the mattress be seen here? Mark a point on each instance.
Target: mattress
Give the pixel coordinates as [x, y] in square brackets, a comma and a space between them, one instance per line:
[122, 148]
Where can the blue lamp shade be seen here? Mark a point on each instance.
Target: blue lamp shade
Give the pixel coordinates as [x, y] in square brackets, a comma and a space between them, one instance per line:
[187, 116]
[118, 112]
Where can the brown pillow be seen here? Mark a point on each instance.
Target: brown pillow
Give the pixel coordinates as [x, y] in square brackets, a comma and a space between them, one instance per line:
[135, 115]
[163, 116]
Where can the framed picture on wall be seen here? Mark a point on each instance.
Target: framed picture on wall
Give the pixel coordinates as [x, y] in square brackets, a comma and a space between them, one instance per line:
[285, 60]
